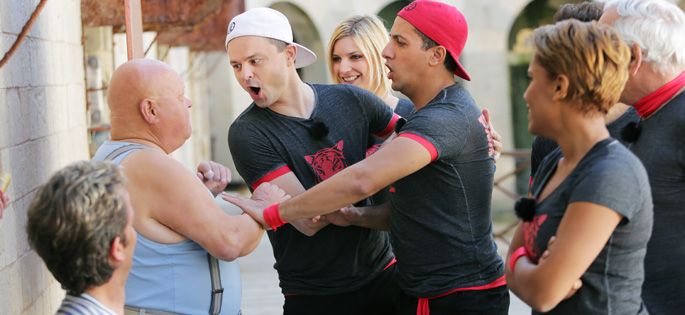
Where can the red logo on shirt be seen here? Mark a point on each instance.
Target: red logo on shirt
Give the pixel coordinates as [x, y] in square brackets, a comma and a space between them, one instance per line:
[372, 149]
[530, 232]
[327, 162]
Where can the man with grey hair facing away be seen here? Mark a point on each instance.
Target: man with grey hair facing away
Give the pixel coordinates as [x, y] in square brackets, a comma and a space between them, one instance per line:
[654, 30]
[80, 224]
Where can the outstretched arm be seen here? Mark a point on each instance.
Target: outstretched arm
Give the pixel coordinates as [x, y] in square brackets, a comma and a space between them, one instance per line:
[401, 157]
[292, 186]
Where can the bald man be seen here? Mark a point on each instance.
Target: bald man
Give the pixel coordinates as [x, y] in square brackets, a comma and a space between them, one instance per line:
[179, 227]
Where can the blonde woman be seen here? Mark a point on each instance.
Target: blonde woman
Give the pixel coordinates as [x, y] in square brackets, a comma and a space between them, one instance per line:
[581, 247]
[354, 52]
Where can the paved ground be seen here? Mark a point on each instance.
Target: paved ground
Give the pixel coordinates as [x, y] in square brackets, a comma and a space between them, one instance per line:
[261, 295]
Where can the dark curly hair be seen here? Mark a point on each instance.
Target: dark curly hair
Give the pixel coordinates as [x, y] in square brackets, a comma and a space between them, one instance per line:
[584, 11]
[73, 220]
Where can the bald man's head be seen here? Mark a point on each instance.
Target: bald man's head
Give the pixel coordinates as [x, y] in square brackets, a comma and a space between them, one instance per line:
[146, 99]
[135, 80]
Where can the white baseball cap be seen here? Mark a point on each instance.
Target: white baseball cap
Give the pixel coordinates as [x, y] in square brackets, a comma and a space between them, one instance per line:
[267, 22]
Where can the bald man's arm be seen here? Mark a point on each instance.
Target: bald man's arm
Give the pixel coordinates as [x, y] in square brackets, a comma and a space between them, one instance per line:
[169, 199]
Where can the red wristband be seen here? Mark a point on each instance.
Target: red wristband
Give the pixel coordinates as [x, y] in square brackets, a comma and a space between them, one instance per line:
[518, 253]
[272, 217]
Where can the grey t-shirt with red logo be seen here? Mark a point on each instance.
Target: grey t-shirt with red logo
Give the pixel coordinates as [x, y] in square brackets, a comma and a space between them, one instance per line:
[441, 228]
[265, 145]
[611, 176]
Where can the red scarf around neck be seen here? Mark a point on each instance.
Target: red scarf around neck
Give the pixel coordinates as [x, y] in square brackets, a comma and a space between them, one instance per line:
[647, 105]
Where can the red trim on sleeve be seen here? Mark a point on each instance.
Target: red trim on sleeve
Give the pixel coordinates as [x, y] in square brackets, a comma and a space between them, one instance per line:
[271, 176]
[390, 127]
[425, 143]
[518, 253]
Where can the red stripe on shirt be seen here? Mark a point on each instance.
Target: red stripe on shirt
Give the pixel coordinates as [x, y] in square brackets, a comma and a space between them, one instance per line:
[271, 176]
[425, 143]
[390, 127]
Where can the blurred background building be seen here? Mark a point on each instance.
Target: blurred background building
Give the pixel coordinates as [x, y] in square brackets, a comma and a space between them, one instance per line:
[52, 92]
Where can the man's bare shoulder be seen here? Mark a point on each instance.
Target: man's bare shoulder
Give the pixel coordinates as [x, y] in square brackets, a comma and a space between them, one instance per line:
[165, 194]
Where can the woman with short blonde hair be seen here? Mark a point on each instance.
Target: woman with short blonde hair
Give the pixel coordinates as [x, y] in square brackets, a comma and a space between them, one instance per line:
[581, 246]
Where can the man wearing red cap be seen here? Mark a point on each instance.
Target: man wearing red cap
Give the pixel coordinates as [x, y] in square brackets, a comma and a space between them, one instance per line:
[439, 164]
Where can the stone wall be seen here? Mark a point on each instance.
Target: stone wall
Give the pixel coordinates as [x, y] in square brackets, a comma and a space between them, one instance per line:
[42, 128]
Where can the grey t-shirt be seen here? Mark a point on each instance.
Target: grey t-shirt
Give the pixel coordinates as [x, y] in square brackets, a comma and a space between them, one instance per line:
[440, 219]
[661, 148]
[404, 108]
[265, 145]
[610, 176]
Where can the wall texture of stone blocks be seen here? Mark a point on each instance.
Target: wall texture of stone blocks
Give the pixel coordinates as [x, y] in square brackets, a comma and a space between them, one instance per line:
[42, 128]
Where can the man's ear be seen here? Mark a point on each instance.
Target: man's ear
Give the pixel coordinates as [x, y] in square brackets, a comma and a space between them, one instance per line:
[116, 251]
[635, 59]
[149, 110]
[561, 84]
[438, 55]
[291, 54]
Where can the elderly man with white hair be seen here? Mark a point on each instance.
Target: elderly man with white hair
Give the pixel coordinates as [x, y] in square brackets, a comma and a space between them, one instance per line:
[655, 31]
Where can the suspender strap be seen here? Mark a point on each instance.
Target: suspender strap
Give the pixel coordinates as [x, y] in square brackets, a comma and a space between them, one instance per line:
[132, 310]
[214, 272]
[217, 290]
[123, 149]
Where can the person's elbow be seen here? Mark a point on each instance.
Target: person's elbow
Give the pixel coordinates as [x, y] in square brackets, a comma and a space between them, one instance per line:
[232, 247]
[363, 183]
[227, 253]
[543, 300]
[544, 306]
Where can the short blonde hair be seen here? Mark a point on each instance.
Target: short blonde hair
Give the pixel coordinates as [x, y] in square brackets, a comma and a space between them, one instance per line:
[592, 56]
[369, 34]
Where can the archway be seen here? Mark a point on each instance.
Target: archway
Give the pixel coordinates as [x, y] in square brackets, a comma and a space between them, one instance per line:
[305, 33]
[389, 12]
[536, 13]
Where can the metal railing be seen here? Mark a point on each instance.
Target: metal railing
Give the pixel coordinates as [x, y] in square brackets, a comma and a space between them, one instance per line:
[523, 161]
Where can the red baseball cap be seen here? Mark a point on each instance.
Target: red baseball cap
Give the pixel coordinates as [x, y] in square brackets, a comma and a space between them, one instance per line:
[442, 23]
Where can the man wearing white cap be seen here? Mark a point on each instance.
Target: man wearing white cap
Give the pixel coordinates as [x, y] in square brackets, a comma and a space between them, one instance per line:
[296, 135]
[439, 164]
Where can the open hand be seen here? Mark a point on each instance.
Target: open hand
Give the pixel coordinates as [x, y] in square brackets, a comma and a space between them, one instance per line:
[265, 195]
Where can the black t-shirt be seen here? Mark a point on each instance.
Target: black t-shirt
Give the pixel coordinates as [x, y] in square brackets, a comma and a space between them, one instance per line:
[440, 221]
[543, 146]
[610, 176]
[404, 108]
[265, 145]
[661, 148]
